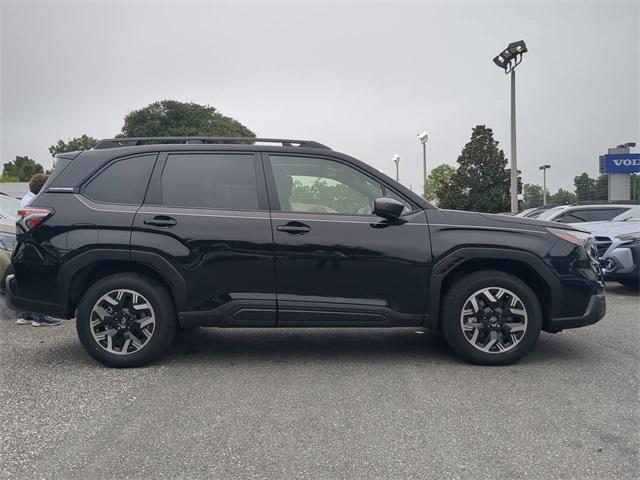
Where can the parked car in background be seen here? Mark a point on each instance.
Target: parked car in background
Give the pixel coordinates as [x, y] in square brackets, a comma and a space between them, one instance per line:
[7, 244]
[584, 212]
[534, 212]
[618, 243]
[9, 207]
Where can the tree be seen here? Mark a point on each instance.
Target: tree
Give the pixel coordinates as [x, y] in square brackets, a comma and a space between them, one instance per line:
[172, 118]
[601, 191]
[73, 145]
[585, 187]
[439, 177]
[590, 189]
[532, 195]
[482, 181]
[562, 197]
[21, 170]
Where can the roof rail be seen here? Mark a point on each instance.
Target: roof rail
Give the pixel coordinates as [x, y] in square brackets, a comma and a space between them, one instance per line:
[606, 202]
[134, 141]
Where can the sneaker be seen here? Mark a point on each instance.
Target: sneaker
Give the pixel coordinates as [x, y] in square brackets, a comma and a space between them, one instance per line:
[45, 322]
[25, 318]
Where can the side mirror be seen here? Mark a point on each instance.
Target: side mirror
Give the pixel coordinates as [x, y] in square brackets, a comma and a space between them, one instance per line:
[388, 208]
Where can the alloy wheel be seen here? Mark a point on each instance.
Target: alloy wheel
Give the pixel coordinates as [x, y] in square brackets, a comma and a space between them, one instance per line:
[494, 320]
[122, 321]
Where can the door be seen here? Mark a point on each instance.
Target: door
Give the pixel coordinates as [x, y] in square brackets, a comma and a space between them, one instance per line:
[205, 224]
[336, 262]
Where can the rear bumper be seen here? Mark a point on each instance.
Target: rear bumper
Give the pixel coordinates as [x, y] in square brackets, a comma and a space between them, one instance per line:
[23, 304]
[596, 310]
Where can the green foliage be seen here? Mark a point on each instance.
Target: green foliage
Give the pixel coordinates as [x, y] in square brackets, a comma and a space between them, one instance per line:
[4, 178]
[336, 196]
[588, 188]
[562, 197]
[532, 195]
[635, 186]
[73, 145]
[21, 170]
[482, 181]
[439, 177]
[172, 118]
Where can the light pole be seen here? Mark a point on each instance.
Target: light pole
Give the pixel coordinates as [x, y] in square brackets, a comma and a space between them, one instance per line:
[423, 137]
[544, 169]
[396, 160]
[508, 60]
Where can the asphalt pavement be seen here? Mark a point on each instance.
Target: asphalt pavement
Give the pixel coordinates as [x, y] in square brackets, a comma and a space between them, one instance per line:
[324, 403]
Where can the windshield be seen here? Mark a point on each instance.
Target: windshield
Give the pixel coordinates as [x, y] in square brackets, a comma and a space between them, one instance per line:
[549, 213]
[632, 215]
[8, 207]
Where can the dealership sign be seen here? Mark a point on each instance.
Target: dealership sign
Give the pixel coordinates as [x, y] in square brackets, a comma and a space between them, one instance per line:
[620, 163]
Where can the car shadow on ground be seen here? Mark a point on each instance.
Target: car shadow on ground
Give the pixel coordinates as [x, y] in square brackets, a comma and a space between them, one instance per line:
[342, 345]
[615, 288]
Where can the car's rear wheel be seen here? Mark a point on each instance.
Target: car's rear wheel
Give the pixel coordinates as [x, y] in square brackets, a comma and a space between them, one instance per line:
[491, 318]
[126, 320]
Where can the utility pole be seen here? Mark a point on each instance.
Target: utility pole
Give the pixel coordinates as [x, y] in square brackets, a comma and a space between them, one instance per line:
[508, 60]
[514, 155]
[544, 169]
[423, 137]
[396, 160]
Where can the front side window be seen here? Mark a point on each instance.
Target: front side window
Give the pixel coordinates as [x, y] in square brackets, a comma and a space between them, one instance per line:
[212, 180]
[318, 185]
[124, 181]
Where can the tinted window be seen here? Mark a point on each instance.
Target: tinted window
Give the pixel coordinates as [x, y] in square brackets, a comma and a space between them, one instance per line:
[602, 214]
[575, 216]
[407, 206]
[317, 185]
[226, 181]
[124, 181]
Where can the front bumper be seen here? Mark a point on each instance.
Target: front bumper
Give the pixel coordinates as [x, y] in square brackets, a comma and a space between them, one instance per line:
[596, 310]
[23, 304]
[622, 261]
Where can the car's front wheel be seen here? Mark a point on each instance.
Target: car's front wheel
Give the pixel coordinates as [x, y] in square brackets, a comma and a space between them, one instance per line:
[126, 320]
[491, 318]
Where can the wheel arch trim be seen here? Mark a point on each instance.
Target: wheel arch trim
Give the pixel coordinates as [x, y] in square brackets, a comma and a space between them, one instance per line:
[458, 258]
[155, 262]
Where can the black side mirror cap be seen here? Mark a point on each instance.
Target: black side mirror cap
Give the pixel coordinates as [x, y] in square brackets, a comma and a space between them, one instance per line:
[388, 208]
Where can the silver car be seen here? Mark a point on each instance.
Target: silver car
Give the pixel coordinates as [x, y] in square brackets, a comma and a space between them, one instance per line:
[618, 243]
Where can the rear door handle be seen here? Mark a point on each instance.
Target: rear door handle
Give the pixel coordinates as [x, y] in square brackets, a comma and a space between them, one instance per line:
[294, 228]
[161, 221]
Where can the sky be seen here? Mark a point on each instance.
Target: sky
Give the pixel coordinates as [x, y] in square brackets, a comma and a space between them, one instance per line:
[361, 77]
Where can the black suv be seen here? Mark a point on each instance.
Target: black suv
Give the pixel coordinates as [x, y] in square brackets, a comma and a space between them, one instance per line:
[139, 237]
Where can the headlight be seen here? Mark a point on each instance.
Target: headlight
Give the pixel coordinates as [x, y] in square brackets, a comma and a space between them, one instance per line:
[629, 237]
[7, 241]
[577, 237]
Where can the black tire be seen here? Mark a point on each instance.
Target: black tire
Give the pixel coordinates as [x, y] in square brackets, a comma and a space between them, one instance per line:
[164, 328]
[454, 302]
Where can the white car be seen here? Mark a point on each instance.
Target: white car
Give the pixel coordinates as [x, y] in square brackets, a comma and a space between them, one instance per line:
[588, 212]
[618, 243]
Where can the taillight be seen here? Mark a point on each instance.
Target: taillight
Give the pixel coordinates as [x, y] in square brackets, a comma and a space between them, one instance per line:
[31, 218]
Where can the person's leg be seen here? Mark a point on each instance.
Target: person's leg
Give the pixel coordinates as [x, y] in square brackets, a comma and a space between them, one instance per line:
[44, 321]
[25, 318]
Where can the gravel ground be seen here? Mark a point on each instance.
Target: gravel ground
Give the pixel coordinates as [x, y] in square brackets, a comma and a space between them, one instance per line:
[353, 403]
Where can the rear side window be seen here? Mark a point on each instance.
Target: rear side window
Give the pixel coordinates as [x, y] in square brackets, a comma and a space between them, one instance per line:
[602, 214]
[212, 180]
[124, 181]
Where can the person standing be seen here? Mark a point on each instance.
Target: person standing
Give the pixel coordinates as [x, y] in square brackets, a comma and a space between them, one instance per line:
[26, 318]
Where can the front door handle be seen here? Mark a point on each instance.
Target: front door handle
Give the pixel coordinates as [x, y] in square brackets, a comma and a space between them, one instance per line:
[294, 228]
[161, 221]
